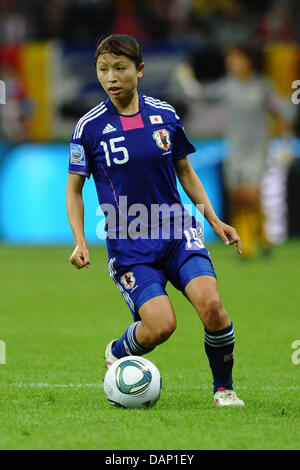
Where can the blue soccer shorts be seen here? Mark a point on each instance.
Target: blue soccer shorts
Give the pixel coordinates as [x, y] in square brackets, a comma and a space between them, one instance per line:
[141, 282]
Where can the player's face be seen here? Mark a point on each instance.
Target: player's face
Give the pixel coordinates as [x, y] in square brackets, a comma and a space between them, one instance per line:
[238, 64]
[118, 75]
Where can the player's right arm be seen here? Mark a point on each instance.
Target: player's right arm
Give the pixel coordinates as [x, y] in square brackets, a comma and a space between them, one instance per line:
[197, 91]
[80, 257]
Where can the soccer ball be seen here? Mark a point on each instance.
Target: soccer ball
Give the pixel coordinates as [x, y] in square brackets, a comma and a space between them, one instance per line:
[132, 382]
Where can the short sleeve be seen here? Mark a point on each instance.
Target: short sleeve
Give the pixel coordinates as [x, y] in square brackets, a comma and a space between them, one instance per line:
[181, 144]
[78, 160]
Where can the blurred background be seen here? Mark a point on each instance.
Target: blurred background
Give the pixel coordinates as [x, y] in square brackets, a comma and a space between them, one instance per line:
[47, 73]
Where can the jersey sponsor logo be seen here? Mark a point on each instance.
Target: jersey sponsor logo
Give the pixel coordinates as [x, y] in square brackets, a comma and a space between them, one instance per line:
[156, 119]
[162, 139]
[108, 128]
[77, 154]
[128, 280]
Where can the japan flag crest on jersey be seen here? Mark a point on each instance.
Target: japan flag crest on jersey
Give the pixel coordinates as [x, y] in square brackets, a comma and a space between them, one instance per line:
[128, 280]
[162, 138]
[157, 119]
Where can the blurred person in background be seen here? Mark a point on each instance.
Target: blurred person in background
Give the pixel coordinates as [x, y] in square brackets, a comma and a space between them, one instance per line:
[249, 98]
[13, 24]
[276, 24]
[15, 113]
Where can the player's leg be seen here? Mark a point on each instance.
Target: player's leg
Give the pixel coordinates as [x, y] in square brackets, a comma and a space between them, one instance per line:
[158, 322]
[243, 176]
[203, 293]
[246, 217]
[153, 325]
[153, 314]
[196, 278]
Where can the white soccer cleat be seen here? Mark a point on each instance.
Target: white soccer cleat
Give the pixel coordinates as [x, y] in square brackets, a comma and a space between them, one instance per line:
[109, 357]
[224, 397]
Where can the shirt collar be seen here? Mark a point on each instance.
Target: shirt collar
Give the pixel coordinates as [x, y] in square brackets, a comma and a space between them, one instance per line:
[112, 107]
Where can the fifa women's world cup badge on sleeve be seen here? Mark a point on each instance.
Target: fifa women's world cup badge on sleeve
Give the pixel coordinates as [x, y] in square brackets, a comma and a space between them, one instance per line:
[77, 155]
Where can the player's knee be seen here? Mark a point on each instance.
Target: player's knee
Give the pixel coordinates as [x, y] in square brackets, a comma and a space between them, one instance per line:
[162, 330]
[213, 313]
[167, 329]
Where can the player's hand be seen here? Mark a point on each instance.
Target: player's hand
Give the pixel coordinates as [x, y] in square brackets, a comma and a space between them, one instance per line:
[80, 257]
[228, 235]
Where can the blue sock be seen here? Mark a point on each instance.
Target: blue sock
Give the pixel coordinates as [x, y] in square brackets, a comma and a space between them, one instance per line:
[219, 347]
[128, 345]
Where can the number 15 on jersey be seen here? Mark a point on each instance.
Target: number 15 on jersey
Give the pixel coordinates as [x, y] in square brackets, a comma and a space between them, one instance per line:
[113, 149]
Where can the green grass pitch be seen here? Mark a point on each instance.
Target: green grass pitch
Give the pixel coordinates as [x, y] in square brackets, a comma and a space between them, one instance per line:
[56, 322]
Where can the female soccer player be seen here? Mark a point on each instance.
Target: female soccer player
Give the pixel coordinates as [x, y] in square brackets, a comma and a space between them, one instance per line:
[250, 98]
[134, 145]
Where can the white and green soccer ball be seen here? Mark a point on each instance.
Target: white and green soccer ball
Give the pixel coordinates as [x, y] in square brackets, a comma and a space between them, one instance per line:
[132, 382]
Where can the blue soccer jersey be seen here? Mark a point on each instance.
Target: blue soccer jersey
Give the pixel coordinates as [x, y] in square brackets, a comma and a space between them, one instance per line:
[131, 159]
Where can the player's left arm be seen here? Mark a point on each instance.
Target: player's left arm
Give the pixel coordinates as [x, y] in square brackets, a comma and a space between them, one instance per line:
[193, 187]
[279, 105]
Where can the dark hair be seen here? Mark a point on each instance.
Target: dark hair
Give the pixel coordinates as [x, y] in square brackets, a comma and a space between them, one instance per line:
[120, 44]
[246, 50]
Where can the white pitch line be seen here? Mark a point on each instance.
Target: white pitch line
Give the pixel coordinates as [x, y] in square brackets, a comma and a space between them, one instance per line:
[46, 385]
[100, 385]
